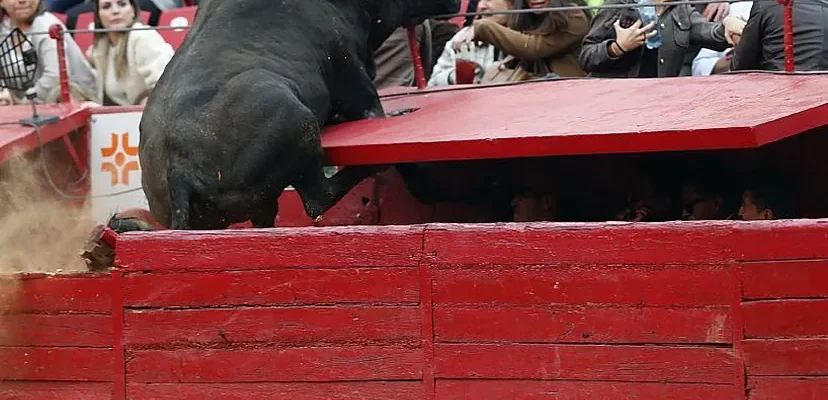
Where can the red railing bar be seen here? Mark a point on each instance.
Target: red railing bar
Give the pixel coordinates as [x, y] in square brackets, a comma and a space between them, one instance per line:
[56, 32]
[414, 48]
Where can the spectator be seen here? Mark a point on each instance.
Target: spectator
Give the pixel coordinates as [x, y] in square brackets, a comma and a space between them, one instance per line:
[615, 47]
[30, 16]
[766, 196]
[538, 44]
[128, 63]
[155, 7]
[763, 44]
[394, 66]
[483, 56]
[710, 61]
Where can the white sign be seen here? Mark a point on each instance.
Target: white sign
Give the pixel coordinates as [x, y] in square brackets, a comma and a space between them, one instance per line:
[115, 172]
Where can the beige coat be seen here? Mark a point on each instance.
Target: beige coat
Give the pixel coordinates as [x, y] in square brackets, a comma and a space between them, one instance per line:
[147, 56]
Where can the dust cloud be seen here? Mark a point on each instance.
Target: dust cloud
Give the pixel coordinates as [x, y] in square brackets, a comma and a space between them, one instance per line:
[39, 230]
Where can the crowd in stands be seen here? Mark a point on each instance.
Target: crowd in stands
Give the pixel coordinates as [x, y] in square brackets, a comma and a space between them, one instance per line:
[121, 68]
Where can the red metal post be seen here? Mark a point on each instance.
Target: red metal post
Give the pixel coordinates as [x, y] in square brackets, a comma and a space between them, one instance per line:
[787, 23]
[414, 48]
[56, 32]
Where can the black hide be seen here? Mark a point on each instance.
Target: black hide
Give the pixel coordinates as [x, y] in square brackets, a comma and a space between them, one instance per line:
[236, 117]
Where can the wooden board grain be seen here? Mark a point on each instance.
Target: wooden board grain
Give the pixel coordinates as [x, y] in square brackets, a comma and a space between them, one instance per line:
[784, 279]
[787, 388]
[56, 364]
[71, 330]
[656, 286]
[583, 324]
[567, 243]
[90, 293]
[793, 318]
[781, 357]
[273, 287]
[301, 326]
[249, 249]
[299, 364]
[55, 390]
[580, 390]
[586, 362]
[397, 390]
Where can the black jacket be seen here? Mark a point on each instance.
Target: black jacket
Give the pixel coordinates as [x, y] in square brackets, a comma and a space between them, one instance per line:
[762, 45]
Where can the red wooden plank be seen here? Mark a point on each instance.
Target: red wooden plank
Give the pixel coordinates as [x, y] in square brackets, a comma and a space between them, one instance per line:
[55, 391]
[785, 318]
[291, 286]
[560, 243]
[785, 279]
[72, 330]
[458, 124]
[397, 390]
[284, 326]
[49, 293]
[55, 364]
[658, 286]
[787, 388]
[245, 249]
[571, 390]
[586, 362]
[14, 136]
[583, 325]
[781, 240]
[786, 357]
[301, 364]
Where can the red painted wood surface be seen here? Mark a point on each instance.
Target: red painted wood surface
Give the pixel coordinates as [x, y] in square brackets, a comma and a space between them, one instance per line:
[396, 390]
[465, 124]
[29, 390]
[439, 311]
[16, 137]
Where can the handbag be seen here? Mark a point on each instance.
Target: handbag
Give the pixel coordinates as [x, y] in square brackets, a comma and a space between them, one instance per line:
[511, 69]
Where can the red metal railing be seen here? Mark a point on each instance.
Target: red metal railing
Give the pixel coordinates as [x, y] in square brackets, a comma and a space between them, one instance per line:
[57, 32]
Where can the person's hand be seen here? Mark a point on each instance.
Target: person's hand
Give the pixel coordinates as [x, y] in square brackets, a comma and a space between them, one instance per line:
[723, 64]
[733, 29]
[464, 40]
[715, 12]
[633, 37]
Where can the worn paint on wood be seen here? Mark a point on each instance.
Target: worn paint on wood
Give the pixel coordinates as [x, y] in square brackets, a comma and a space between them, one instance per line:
[30, 390]
[397, 390]
[784, 388]
[583, 324]
[89, 293]
[72, 330]
[301, 326]
[585, 362]
[56, 364]
[274, 287]
[277, 364]
[786, 318]
[786, 357]
[576, 390]
[785, 279]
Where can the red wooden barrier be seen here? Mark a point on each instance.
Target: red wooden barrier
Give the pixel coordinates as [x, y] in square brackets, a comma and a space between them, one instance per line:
[723, 310]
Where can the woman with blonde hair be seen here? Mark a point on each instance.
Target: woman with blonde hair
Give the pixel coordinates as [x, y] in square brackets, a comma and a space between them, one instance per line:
[31, 16]
[128, 63]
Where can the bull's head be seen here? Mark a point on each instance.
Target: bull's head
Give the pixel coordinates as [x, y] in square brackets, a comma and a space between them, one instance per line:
[388, 15]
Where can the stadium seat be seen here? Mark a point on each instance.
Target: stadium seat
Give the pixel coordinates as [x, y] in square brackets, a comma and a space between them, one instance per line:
[177, 17]
[459, 21]
[87, 21]
[61, 17]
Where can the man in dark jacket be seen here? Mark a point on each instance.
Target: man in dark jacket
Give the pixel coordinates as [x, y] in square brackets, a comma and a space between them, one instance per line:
[762, 45]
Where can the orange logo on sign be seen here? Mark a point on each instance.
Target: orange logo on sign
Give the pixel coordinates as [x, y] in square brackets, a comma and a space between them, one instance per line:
[118, 152]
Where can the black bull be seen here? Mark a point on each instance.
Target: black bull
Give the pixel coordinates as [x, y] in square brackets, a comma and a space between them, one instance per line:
[237, 115]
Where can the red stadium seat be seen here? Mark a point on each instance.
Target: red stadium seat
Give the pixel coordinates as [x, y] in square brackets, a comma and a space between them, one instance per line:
[177, 17]
[464, 4]
[61, 17]
[87, 21]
